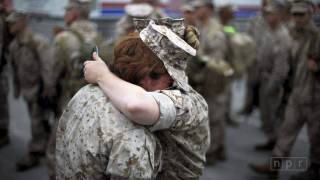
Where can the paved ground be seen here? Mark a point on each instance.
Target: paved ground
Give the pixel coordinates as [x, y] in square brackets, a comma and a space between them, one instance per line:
[240, 142]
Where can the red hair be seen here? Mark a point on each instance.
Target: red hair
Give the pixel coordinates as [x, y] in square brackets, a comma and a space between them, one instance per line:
[133, 60]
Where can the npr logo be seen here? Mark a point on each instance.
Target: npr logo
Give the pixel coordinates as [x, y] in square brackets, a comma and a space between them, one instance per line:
[289, 163]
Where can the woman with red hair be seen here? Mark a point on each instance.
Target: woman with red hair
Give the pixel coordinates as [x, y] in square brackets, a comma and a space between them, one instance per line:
[143, 121]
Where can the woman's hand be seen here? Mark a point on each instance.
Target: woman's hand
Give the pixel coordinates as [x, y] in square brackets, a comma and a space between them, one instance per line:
[95, 70]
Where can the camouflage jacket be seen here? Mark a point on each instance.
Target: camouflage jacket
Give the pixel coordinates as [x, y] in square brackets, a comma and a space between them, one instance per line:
[273, 56]
[95, 140]
[32, 59]
[256, 28]
[69, 55]
[306, 84]
[212, 51]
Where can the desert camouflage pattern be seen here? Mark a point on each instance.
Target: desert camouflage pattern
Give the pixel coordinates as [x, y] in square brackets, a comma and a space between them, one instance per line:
[69, 61]
[304, 100]
[95, 140]
[173, 57]
[272, 63]
[32, 58]
[215, 84]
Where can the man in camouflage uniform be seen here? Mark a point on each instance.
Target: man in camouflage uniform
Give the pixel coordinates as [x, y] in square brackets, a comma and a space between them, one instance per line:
[96, 141]
[31, 56]
[215, 83]
[256, 29]
[4, 42]
[124, 25]
[72, 47]
[273, 68]
[304, 102]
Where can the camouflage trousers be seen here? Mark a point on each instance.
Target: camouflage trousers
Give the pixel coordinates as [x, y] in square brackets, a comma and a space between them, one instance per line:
[269, 105]
[296, 115]
[252, 89]
[39, 126]
[4, 111]
[218, 111]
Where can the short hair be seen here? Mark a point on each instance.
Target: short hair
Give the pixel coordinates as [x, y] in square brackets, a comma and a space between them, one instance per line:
[133, 60]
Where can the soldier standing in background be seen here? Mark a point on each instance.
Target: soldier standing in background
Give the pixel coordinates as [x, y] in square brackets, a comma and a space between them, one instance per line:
[188, 14]
[125, 26]
[272, 64]
[31, 55]
[215, 83]
[304, 101]
[150, 10]
[256, 29]
[72, 47]
[4, 111]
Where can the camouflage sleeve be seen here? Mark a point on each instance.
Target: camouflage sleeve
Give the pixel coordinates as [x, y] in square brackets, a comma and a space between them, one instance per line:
[61, 54]
[280, 67]
[167, 112]
[14, 65]
[46, 55]
[218, 46]
[190, 110]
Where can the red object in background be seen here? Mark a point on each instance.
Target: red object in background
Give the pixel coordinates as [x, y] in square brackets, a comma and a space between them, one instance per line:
[8, 5]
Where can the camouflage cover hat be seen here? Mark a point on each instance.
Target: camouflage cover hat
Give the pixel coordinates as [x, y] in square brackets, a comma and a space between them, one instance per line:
[199, 3]
[274, 6]
[15, 16]
[78, 4]
[302, 6]
[164, 38]
[187, 8]
[139, 10]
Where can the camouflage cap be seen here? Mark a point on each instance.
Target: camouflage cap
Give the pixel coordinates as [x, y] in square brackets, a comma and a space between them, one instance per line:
[78, 4]
[165, 38]
[15, 16]
[187, 8]
[199, 3]
[274, 6]
[302, 6]
[139, 10]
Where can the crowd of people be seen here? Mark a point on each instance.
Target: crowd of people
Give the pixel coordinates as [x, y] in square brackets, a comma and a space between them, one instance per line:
[153, 102]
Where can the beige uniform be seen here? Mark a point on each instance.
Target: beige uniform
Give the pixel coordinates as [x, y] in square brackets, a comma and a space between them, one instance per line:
[69, 53]
[31, 57]
[96, 141]
[256, 29]
[304, 102]
[215, 86]
[272, 64]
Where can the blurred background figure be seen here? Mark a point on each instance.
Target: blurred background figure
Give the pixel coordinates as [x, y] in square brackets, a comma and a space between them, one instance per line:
[273, 68]
[72, 47]
[216, 72]
[189, 14]
[5, 39]
[137, 9]
[304, 100]
[30, 56]
[256, 28]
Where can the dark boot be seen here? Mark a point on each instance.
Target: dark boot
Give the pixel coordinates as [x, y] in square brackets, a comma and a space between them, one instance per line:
[268, 146]
[4, 138]
[312, 173]
[213, 157]
[267, 168]
[27, 162]
[232, 122]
